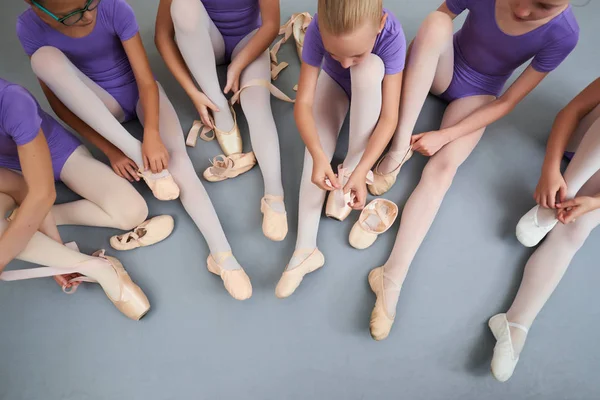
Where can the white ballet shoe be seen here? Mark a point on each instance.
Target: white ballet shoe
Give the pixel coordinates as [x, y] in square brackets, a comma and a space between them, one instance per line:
[529, 230]
[236, 281]
[376, 218]
[381, 322]
[148, 233]
[291, 279]
[504, 360]
[275, 225]
[384, 182]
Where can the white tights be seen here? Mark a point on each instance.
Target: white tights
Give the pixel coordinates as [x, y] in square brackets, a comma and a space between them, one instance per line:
[330, 109]
[549, 262]
[429, 68]
[202, 48]
[100, 110]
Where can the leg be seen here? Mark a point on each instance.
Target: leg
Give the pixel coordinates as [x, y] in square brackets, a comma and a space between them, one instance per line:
[365, 107]
[108, 200]
[430, 67]
[256, 103]
[193, 196]
[85, 99]
[330, 109]
[201, 46]
[423, 204]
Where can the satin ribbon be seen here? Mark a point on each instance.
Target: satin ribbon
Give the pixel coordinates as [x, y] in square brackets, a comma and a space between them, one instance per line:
[342, 199]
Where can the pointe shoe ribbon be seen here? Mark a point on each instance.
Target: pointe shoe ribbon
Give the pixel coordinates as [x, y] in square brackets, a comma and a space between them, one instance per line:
[343, 199]
[264, 83]
[199, 129]
[296, 26]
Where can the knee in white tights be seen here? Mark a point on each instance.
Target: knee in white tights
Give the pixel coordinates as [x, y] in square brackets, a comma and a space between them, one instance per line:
[368, 73]
[440, 172]
[188, 14]
[436, 28]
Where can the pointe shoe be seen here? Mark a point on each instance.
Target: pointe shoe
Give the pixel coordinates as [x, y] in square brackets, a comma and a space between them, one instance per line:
[236, 281]
[291, 279]
[163, 188]
[132, 302]
[504, 360]
[228, 167]
[148, 233]
[384, 182]
[230, 142]
[376, 218]
[275, 225]
[529, 231]
[381, 322]
[339, 204]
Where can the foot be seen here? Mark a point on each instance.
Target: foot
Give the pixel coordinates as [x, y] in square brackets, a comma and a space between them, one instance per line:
[230, 140]
[505, 357]
[383, 314]
[275, 226]
[162, 185]
[338, 202]
[531, 229]
[303, 262]
[233, 275]
[386, 172]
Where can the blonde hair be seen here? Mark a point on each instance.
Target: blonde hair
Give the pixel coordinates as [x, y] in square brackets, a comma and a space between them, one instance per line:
[343, 16]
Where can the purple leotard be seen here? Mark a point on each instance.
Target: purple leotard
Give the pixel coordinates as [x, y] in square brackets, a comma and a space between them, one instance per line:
[390, 46]
[485, 57]
[99, 55]
[21, 118]
[235, 19]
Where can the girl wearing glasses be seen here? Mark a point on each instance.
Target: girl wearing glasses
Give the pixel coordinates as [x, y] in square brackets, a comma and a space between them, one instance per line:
[237, 32]
[94, 70]
[34, 143]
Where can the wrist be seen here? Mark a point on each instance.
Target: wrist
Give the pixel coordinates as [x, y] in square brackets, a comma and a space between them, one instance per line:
[551, 165]
[151, 134]
[361, 169]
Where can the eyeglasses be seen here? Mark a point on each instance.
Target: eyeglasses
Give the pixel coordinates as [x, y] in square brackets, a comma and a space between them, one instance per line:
[73, 17]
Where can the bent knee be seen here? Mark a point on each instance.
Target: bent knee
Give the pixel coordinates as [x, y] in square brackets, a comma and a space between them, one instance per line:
[575, 233]
[436, 26]
[440, 172]
[369, 72]
[47, 60]
[188, 14]
[132, 211]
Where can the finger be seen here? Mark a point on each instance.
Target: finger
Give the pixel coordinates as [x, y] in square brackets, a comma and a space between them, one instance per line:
[132, 169]
[415, 138]
[236, 86]
[127, 173]
[333, 179]
[544, 202]
[206, 119]
[154, 166]
[117, 170]
[562, 193]
[212, 105]
[571, 216]
[227, 87]
[61, 280]
[567, 204]
[146, 163]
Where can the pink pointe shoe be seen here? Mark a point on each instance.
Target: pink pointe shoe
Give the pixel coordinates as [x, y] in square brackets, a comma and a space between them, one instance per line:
[339, 203]
[148, 233]
[236, 281]
[230, 142]
[132, 302]
[162, 185]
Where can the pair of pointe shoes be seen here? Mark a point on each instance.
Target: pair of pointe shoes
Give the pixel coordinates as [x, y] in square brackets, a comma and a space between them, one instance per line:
[131, 301]
[382, 182]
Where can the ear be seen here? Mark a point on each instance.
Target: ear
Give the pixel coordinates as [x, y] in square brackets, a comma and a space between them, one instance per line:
[382, 24]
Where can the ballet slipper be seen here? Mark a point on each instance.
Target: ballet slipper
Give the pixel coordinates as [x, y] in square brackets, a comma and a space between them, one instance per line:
[275, 225]
[381, 322]
[376, 218]
[339, 204]
[236, 281]
[228, 167]
[291, 279]
[504, 360]
[148, 233]
[132, 302]
[529, 231]
[163, 187]
[384, 182]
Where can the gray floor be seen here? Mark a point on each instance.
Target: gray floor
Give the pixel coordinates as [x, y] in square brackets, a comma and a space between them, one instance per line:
[198, 343]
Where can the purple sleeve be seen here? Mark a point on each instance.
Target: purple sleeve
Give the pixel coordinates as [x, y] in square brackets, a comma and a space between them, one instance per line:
[550, 57]
[19, 115]
[26, 32]
[124, 21]
[313, 51]
[392, 50]
[457, 6]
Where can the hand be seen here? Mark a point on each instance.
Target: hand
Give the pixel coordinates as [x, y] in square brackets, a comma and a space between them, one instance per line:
[122, 165]
[156, 156]
[570, 210]
[357, 187]
[63, 280]
[322, 174]
[429, 143]
[551, 185]
[233, 78]
[202, 104]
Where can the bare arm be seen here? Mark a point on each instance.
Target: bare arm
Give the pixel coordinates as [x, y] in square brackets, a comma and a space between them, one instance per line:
[37, 170]
[270, 16]
[498, 108]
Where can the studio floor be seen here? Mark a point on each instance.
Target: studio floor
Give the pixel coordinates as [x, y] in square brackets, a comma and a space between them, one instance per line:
[199, 343]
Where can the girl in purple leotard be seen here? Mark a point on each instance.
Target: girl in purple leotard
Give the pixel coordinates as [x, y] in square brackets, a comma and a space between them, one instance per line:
[468, 69]
[95, 72]
[239, 33]
[37, 146]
